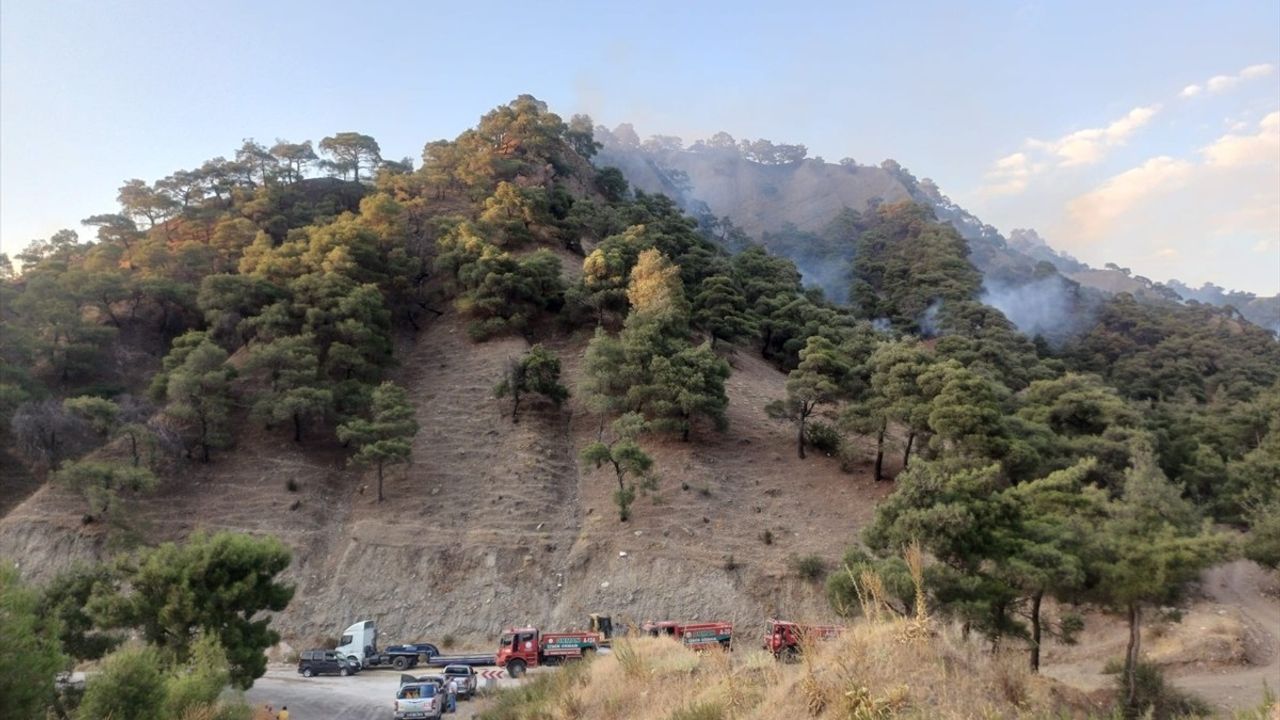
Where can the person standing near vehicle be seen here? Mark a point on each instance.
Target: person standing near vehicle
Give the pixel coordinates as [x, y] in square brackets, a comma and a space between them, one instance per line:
[284, 713]
[451, 700]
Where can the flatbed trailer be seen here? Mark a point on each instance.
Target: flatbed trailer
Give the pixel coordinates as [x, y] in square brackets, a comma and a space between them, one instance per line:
[472, 660]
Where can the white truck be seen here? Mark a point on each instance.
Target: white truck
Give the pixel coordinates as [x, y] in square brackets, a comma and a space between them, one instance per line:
[360, 643]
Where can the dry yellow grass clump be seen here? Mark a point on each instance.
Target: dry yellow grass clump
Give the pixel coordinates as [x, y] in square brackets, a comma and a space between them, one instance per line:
[873, 670]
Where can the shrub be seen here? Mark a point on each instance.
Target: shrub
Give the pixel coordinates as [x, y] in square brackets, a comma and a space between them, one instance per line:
[1155, 699]
[291, 485]
[810, 567]
[766, 537]
[700, 711]
[824, 437]
[447, 641]
[131, 686]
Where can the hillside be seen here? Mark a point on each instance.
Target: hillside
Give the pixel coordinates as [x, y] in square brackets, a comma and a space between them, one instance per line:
[498, 523]
[802, 197]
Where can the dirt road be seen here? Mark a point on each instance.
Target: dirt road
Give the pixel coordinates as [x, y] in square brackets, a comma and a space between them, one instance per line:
[366, 696]
[1242, 585]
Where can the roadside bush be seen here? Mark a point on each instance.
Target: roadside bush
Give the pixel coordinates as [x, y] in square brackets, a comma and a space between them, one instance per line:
[824, 437]
[131, 686]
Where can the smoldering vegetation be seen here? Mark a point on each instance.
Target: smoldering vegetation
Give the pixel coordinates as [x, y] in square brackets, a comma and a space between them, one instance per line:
[1049, 307]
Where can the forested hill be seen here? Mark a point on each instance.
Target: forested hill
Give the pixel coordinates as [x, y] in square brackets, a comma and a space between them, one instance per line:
[795, 204]
[229, 322]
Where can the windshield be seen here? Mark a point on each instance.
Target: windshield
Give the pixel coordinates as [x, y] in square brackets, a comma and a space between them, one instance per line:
[506, 639]
[346, 640]
[412, 692]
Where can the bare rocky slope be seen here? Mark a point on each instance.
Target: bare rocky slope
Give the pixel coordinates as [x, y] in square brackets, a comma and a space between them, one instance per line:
[498, 523]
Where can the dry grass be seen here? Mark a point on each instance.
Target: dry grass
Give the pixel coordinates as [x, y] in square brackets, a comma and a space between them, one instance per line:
[868, 672]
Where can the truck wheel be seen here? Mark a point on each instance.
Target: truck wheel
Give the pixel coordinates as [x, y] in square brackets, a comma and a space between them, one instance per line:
[400, 662]
[516, 668]
[306, 672]
[355, 661]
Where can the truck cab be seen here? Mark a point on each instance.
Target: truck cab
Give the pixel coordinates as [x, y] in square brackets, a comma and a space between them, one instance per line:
[359, 641]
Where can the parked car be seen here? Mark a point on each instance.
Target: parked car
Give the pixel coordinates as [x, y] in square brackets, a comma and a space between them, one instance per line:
[466, 677]
[320, 662]
[419, 701]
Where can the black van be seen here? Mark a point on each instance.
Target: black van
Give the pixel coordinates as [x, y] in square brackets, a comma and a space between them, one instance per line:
[319, 662]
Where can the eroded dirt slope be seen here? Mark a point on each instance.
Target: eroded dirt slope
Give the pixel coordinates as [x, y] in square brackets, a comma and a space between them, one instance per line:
[497, 523]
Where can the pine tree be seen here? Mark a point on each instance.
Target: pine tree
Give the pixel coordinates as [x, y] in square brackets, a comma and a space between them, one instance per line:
[387, 437]
[1152, 546]
[294, 389]
[815, 381]
[199, 391]
[720, 308]
[625, 456]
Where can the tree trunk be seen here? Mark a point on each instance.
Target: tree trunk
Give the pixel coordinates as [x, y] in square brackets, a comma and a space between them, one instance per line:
[800, 438]
[1131, 654]
[906, 455]
[133, 447]
[515, 407]
[379, 481]
[297, 427]
[1035, 630]
[204, 439]
[879, 472]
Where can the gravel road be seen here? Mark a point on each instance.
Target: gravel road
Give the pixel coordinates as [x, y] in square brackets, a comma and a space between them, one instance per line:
[366, 696]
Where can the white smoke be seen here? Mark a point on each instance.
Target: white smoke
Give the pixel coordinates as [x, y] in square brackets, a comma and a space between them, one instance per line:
[1041, 307]
[928, 321]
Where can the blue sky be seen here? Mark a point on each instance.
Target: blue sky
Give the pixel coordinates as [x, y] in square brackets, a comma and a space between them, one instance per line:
[1072, 118]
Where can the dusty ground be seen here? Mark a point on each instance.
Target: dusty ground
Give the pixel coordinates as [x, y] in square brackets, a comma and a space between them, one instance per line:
[1223, 650]
[366, 696]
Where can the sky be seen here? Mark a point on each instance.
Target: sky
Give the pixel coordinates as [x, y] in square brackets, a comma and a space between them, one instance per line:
[1145, 133]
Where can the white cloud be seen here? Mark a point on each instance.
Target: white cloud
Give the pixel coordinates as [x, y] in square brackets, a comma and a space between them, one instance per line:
[1256, 71]
[1235, 150]
[1168, 252]
[1094, 212]
[1218, 83]
[1222, 83]
[1009, 176]
[1011, 173]
[1088, 146]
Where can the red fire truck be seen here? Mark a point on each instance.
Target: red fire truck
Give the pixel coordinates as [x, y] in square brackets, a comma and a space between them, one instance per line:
[783, 638]
[698, 636]
[522, 648]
